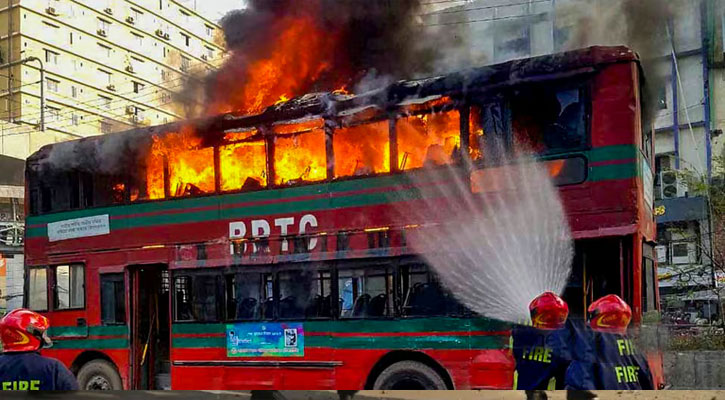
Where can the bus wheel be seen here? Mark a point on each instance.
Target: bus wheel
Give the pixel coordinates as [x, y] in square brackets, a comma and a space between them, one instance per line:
[409, 375]
[99, 375]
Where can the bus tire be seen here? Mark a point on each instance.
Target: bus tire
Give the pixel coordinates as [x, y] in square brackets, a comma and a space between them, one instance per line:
[409, 375]
[99, 375]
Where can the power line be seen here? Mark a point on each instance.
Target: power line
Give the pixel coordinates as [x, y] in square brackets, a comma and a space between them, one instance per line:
[481, 20]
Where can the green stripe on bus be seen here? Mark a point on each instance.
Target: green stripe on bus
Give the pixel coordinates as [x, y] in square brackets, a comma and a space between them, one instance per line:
[110, 330]
[61, 331]
[608, 153]
[453, 342]
[98, 344]
[369, 326]
[613, 171]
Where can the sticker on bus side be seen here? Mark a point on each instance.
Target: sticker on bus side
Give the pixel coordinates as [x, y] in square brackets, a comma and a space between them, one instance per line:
[78, 228]
[265, 340]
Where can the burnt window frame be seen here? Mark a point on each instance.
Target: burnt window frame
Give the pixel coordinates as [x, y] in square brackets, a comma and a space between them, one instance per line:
[315, 267]
[220, 293]
[391, 267]
[461, 311]
[265, 276]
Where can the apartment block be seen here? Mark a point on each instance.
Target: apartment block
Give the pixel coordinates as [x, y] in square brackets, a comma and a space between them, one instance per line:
[95, 66]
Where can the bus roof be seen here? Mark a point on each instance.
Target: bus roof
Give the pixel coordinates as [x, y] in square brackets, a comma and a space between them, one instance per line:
[405, 92]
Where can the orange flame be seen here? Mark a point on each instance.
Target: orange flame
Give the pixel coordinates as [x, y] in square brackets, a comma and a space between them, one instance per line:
[296, 60]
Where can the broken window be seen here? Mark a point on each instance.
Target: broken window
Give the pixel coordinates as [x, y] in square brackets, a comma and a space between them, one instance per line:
[191, 172]
[299, 154]
[548, 121]
[362, 149]
[243, 163]
[427, 140]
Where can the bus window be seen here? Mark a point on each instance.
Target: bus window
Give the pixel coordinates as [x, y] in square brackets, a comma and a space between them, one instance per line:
[362, 149]
[38, 289]
[476, 135]
[198, 298]
[69, 289]
[305, 294]
[428, 140]
[191, 172]
[365, 292]
[113, 303]
[548, 121]
[249, 296]
[423, 294]
[243, 165]
[299, 153]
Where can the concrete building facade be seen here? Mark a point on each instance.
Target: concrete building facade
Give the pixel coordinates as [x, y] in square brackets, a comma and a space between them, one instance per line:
[108, 65]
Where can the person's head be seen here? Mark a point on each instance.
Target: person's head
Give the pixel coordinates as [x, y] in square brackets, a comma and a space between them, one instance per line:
[24, 330]
[610, 314]
[548, 311]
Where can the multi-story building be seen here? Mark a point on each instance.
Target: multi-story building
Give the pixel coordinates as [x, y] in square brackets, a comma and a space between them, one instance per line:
[105, 65]
[685, 78]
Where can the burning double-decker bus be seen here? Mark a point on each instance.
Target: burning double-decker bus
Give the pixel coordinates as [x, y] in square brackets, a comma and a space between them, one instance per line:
[262, 251]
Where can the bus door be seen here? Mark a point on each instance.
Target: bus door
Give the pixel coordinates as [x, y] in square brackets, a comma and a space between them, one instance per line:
[150, 333]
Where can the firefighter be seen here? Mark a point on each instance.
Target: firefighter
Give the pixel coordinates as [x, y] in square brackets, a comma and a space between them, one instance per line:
[541, 350]
[606, 357]
[23, 334]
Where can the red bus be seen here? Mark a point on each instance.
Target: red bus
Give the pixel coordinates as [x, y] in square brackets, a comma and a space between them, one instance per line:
[260, 251]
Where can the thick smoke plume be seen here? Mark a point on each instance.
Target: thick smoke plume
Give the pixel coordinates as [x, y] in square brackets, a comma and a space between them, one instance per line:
[638, 24]
[290, 47]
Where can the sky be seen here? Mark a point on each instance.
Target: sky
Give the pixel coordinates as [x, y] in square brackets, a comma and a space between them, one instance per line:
[215, 9]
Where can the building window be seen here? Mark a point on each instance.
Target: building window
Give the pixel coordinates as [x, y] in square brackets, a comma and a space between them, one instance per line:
[136, 15]
[209, 53]
[185, 63]
[104, 27]
[74, 91]
[161, 4]
[138, 87]
[209, 31]
[186, 39]
[105, 50]
[105, 77]
[106, 101]
[51, 57]
[137, 40]
[74, 119]
[76, 65]
[662, 98]
[52, 114]
[38, 289]
[185, 17]
[69, 287]
[138, 113]
[52, 85]
[71, 38]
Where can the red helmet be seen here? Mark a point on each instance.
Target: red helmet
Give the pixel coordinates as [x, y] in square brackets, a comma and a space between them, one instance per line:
[548, 311]
[610, 314]
[23, 330]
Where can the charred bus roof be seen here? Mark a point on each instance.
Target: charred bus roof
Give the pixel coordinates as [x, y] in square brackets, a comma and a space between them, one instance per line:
[334, 105]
